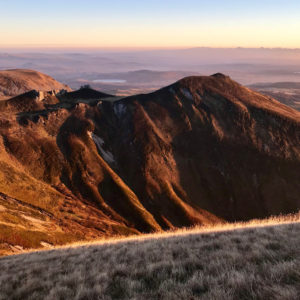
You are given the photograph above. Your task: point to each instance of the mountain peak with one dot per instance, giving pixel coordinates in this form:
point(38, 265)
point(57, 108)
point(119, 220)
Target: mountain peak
point(221, 87)
point(220, 75)
point(86, 93)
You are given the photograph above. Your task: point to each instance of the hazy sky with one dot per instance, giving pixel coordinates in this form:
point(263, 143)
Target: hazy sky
point(152, 23)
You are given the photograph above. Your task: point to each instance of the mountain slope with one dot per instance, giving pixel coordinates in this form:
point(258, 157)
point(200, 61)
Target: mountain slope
point(214, 145)
point(287, 93)
point(18, 81)
point(251, 262)
point(200, 151)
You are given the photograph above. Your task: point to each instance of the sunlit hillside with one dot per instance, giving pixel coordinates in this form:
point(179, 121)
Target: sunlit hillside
point(254, 260)
point(84, 165)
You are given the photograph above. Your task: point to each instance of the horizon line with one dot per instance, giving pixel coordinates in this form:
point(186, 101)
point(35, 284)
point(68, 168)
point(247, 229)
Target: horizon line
point(16, 47)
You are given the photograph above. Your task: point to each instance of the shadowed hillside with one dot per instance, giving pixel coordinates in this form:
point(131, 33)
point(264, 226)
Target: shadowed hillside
point(84, 94)
point(209, 143)
point(203, 150)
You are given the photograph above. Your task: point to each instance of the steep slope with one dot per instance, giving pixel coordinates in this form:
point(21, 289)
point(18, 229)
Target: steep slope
point(287, 98)
point(209, 143)
point(18, 81)
point(200, 151)
point(287, 93)
point(36, 172)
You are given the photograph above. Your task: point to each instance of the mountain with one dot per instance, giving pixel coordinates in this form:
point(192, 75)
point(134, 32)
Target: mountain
point(212, 144)
point(202, 150)
point(85, 94)
point(18, 81)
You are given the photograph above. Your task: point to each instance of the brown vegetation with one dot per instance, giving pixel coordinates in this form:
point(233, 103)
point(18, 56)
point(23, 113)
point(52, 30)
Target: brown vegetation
point(202, 151)
point(246, 263)
point(19, 81)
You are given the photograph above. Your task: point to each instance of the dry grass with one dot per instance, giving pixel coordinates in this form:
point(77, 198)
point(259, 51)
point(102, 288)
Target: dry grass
point(217, 227)
point(257, 260)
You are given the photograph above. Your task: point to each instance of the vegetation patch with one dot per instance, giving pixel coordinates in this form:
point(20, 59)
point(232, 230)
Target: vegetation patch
point(182, 265)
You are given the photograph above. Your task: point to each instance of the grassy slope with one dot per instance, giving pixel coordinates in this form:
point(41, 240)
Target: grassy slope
point(18, 81)
point(37, 213)
point(25, 216)
point(257, 261)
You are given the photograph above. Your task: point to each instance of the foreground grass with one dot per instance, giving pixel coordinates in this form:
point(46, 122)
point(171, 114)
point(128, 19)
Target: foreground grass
point(250, 263)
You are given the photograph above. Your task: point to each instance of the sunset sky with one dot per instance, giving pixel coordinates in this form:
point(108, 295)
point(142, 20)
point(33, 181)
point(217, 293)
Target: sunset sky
point(153, 23)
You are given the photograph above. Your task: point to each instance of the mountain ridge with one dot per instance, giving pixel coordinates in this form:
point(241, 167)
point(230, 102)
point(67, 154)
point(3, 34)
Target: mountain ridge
point(203, 150)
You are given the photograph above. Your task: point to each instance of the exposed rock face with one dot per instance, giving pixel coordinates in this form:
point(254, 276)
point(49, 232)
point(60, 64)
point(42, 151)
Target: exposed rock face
point(19, 81)
point(199, 151)
point(41, 96)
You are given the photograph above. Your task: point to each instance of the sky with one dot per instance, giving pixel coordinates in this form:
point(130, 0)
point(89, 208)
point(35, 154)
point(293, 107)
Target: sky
point(150, 24)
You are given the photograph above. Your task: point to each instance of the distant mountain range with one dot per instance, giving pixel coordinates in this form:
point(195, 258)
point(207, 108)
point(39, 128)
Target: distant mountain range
point(84, 164)
point(246, 65)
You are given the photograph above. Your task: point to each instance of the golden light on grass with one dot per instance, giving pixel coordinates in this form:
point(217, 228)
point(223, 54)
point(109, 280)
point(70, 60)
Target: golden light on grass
point(252, 260)
point(214, 228)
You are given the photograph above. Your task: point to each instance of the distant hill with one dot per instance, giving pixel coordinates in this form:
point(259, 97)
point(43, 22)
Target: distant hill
point(287, 93)
point(200, 151)
point(145, 77)
point(85, 93)
point(278, 85)
point(18, 81)
point(130, 83)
